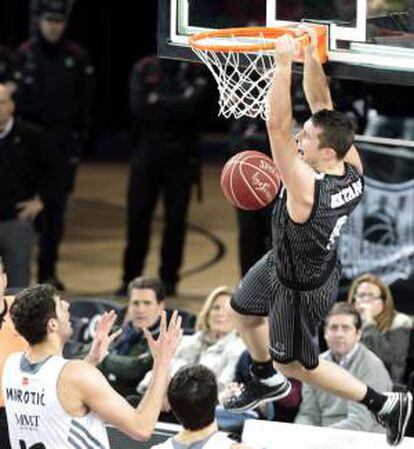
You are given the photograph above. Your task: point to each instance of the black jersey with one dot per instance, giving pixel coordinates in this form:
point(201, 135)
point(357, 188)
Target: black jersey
point(305, 254)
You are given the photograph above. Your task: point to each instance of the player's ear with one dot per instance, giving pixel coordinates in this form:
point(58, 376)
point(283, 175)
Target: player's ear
point(328, 153)
point(52, 325)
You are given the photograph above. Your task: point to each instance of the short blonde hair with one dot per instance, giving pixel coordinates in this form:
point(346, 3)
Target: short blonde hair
point(385, 318)
point(202, 319)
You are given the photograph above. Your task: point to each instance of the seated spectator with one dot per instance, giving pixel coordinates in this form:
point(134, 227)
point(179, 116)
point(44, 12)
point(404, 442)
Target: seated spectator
point(385, 331)
point(130, 359)
point(216, 343)
point(342, 335)
point(192, 394)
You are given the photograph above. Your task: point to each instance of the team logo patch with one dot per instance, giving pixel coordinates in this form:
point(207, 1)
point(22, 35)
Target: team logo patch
point(379, 235)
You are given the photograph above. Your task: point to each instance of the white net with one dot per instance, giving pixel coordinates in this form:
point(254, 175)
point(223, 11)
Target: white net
point(243, 79)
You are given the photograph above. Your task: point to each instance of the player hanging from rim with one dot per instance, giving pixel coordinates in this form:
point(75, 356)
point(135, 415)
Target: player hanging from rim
point(296, 283)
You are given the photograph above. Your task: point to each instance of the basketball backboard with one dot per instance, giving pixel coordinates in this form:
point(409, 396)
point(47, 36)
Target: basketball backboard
point(368, 40)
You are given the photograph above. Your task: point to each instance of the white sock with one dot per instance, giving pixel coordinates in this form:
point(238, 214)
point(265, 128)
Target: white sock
point(272, 381)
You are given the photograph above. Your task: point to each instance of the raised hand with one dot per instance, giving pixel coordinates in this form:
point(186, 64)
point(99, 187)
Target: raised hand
point(285, 50)
point(311, 49)
point(366, 312)
point(102, 338)
point(231, 389)
point(164, 348)
point(29, 209)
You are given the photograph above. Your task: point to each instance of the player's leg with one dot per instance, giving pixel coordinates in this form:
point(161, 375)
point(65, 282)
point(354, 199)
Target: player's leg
point(249, 308)
point(392, 410)
point(327, 376)
point(254, 331)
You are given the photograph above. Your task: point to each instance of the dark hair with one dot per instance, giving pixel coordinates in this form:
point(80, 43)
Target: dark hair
point(337, 131)
point(345, 308)
point(150, 283)
point(32, 309)
point(192, 394)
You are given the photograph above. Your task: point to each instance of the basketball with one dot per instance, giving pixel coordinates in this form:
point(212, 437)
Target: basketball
point(250, 180)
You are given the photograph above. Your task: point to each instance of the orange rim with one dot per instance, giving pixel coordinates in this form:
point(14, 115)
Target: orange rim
point(267, 33)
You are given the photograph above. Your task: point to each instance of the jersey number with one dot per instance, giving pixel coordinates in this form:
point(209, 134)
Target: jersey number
point(336, 231)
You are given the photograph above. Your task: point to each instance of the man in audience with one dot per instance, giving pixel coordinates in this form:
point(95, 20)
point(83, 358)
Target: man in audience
point(166, 101)
point(342, 335)
point(130, 359)
point(192, 395)
point(54, 90)
point(23, 169)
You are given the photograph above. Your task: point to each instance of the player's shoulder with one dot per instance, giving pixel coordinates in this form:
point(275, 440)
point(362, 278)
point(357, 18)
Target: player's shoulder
point(77, 369)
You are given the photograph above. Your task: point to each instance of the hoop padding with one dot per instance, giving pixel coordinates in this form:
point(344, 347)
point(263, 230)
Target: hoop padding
point(242, 63)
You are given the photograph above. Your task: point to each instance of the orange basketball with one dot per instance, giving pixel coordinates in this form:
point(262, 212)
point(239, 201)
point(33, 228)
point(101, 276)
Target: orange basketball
point(250, 180)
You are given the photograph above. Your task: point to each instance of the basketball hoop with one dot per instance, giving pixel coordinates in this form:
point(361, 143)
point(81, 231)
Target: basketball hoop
point(242, 62)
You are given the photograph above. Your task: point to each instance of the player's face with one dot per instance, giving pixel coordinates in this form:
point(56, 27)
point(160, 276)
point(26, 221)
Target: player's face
point(368, 295)
point(52, 30)
point(63, 318)
point(219, 319)
point(308, 143)
point(341, 335)
point(143, 308)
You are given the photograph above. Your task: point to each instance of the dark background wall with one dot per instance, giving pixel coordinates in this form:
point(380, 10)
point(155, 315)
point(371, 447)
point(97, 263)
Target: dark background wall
point(115, 33)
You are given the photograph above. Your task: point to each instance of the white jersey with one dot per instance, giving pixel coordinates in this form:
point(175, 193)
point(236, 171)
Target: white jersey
point(218, 440)
point(35, 416)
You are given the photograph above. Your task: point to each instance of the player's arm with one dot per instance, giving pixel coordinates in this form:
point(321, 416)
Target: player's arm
point(316, 88)
point(296, 175)
point(93, 390)
point(315, 83)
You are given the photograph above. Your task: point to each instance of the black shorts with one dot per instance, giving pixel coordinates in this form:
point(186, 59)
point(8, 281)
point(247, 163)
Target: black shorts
point(294, 316)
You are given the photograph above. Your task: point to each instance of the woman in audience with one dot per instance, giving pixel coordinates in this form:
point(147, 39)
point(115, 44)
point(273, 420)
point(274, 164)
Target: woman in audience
point(215, 344)
point(385, 331)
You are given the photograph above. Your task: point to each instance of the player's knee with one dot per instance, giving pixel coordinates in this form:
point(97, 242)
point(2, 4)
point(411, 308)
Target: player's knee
point(245, 320)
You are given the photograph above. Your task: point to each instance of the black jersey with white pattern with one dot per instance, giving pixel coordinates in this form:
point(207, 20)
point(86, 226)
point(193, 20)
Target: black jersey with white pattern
point(306, 253)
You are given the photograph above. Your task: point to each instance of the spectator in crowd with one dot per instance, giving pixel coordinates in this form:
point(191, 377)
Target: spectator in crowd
point(23, 168)
point(67, 402)
point(216, 344)
point(165, 100)
point(254, 225)
point(130, 358)
point(342, 334)
point(192, 394)
point(10, 342)
point(54, 89)
point(385, 331)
